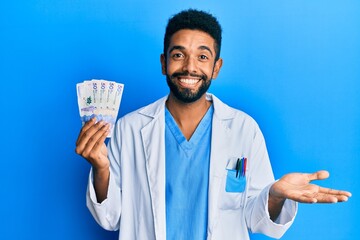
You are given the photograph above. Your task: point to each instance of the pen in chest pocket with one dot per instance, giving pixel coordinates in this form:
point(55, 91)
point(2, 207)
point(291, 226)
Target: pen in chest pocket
point(241, 167)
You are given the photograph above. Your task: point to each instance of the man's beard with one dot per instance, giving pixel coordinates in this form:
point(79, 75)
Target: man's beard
point(186, 95)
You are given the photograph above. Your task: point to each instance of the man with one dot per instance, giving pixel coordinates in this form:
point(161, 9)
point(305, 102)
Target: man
point(188, 166)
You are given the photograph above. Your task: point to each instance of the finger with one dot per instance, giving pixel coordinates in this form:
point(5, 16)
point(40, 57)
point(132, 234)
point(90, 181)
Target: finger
point(341, 196)
point(326, 199)
point(86, 136)
point(99, 143)
point(317, 197)
point(327, 196)
point(335, 192)
point(86, 127)
point(96, 139)
point(319, 175)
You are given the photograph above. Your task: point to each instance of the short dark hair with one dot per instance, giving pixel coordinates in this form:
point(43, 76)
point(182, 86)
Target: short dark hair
point(194, 20)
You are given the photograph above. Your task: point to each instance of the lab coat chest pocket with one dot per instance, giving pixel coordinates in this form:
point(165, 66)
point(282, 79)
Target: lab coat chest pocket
point(232, 190)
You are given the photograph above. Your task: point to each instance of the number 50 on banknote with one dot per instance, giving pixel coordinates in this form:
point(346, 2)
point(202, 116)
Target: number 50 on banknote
point(100, 99)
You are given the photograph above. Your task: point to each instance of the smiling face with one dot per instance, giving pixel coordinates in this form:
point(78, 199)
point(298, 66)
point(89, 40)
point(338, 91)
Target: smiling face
point(189, 64)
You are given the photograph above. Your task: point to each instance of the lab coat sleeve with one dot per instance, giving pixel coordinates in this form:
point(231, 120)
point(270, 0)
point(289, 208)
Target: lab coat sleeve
point(257, 214)
point(107, 213)
point(261, 222)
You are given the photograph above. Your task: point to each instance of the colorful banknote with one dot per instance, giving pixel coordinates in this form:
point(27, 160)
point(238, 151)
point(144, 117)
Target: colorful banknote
point(100, 99)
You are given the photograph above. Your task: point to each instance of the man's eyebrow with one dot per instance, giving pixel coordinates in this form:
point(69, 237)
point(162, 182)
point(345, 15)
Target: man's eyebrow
point(206, 48)
point(176, 47)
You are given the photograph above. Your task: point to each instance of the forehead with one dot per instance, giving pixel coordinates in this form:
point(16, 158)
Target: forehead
point(192, 39)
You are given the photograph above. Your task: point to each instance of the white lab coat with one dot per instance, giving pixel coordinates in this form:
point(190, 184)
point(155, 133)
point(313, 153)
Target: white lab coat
point(136, 196)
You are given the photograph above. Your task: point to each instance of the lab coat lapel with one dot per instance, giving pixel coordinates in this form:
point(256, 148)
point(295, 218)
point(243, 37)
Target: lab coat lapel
point(153, 136)
point(223, 116)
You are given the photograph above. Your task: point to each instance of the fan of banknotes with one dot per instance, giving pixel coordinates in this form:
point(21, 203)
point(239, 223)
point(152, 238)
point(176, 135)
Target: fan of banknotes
point(100, 99)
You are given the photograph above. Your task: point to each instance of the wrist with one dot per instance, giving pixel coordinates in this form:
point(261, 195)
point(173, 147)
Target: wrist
point(275, 196)
point(101, 178)
point(101, 173)
point(275, 203)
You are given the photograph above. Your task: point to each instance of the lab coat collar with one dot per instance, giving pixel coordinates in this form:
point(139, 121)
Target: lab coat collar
point(221, 110)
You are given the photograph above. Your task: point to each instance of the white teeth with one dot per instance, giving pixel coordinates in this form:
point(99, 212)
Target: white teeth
point(189, 81)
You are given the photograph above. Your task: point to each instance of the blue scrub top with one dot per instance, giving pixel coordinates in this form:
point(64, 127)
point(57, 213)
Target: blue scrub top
point(187, 179)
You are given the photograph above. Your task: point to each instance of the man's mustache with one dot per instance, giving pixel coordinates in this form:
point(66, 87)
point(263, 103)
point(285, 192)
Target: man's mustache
point(186, 73)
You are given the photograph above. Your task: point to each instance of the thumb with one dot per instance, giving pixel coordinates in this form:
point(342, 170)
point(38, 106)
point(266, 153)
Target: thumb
point(319, 175)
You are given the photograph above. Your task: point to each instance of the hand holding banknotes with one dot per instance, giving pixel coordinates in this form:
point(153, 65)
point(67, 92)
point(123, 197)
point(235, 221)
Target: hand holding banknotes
point(99, 102)
point(90, 145)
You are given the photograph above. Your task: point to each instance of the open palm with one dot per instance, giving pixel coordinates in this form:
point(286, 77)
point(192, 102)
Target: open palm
point(297, 187)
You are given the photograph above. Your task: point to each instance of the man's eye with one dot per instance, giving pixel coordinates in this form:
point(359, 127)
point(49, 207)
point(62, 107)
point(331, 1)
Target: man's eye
point(203, 57)
point(177, 55)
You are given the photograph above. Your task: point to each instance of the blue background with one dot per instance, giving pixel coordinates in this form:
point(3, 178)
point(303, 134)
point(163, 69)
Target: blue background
point(292, 65)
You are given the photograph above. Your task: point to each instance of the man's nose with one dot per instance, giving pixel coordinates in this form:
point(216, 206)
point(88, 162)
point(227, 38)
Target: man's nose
point(190, 65)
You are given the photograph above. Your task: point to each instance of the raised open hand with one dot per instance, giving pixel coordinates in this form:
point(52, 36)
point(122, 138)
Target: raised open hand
point(297, 187)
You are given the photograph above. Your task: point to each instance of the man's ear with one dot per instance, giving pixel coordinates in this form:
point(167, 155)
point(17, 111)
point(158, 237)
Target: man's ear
point(217, 67)
point(163, 63)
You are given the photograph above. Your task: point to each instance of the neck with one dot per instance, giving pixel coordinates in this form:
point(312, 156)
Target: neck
point(188, 115)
